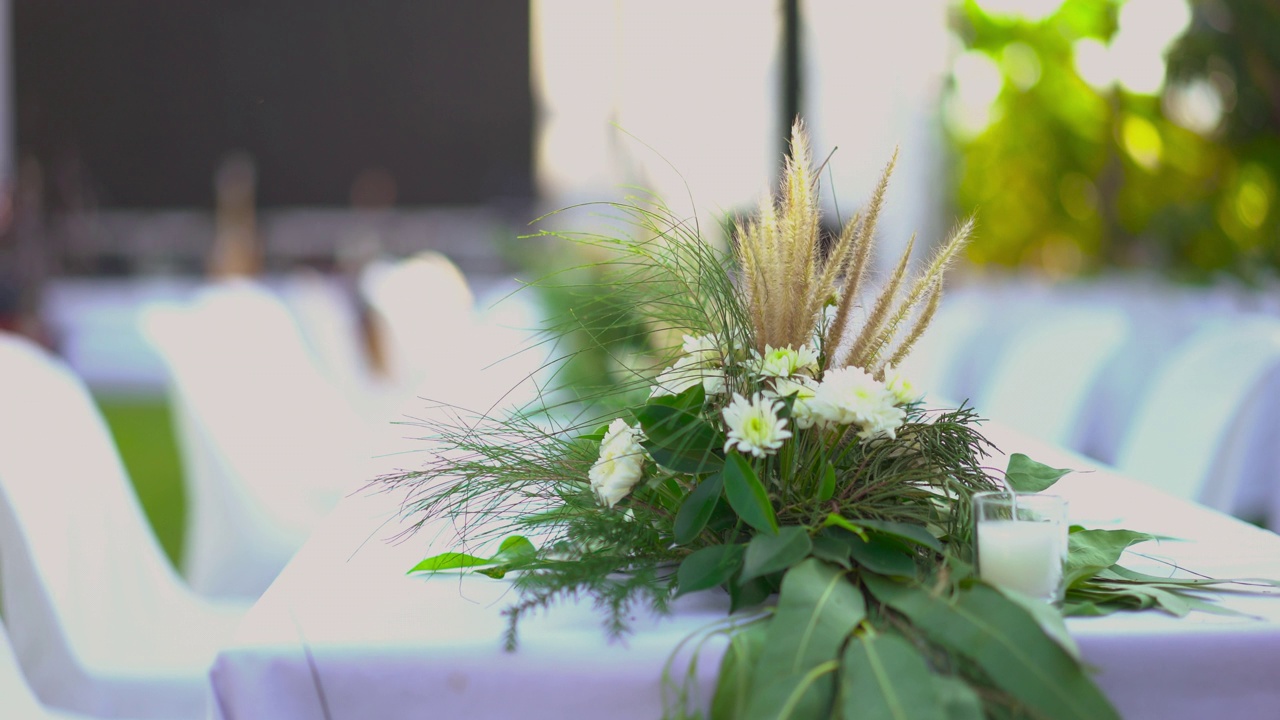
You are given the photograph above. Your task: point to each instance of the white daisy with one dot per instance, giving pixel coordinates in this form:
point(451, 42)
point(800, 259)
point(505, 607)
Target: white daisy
point(851, 396)
point(754, 425)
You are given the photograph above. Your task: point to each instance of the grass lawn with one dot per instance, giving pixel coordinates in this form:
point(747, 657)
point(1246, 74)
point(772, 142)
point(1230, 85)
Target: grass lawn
point(143, 432)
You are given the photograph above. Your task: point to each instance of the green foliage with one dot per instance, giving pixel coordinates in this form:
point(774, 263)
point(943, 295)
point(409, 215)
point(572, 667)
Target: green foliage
point(1075, 179)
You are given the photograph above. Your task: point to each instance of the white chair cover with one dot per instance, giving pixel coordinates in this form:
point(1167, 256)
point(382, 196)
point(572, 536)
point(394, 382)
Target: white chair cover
point(1206, 423)
point(425, 305)
point(99, 620)
point(1041, 383)
point(935, 363)
point(268, 444)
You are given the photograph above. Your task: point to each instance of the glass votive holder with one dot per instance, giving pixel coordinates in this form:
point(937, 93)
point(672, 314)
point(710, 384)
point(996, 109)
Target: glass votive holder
point(1022, 542)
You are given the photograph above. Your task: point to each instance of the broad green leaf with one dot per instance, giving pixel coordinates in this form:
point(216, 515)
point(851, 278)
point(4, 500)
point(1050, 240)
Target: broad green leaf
point(958, 700)
point(1048, 616)
point(513, 550)
point(817, 609)
point(1089, 551)
point(1005, 642)
point(791, 696)
point(1027, 475)
point(749, 593)
point(449, 561)
point(678, 438)
point(696, 509)
point(832, 546)
point(827, 488)
point(907, 531)
point(840, 521)
point(771, 553)
point(737, 669)
point(885, 678)
point(747, 496)
point(1119, 572)
point(691, 400)
point(708, 567)
point(882, 554)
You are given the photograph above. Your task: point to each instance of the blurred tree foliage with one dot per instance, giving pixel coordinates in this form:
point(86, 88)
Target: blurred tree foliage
point(1069, 178)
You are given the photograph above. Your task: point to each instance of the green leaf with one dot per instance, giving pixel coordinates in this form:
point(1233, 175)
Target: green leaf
point(827, 488)
point(747, 496)
point(838, 520)
point(696, 509)
point(790, 696)
point(957, 700)
point(885, 678)
point(708, 567)
point(748, 593)
point(690, 401)
point(1047, 616)
point(771, 553)
point(883, 555)
point(1005, 642)
point(907, 531)
point(1027, 475)
point(1089, 551)
point(677, 437)
point(831, 545)
point(449, 561)
point(1119, 572)
point(737, 669)
point(817, 609)
point(513, 551)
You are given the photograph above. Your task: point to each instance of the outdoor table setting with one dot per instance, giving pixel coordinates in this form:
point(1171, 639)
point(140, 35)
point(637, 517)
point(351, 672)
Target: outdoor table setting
point(345, 633)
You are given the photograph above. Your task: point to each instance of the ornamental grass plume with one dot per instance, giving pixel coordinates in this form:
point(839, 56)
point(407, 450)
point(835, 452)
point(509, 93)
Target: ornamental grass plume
point(787, 281)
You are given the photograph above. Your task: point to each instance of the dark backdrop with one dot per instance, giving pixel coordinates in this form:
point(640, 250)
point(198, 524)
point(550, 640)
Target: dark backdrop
point(138, 100)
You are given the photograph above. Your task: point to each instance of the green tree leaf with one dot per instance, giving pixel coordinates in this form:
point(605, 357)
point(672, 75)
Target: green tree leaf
point(1089, 551)
point(958, 700)
point(827, 488)
point(1005, 642)
point(677, 437)
point(708, 567)
point(791, 696)
point(829, 545)
point(514, 550)
point(1027, 475)
point(817, 609)
point(885, 678)
point(697, 508)
point(737, 669)
point(910, 532)
point(882, 554)
point(771, 553)
point(449, 561)
point(747, 496)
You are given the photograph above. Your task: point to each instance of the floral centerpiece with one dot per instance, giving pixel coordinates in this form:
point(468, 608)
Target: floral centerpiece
point(776, 452)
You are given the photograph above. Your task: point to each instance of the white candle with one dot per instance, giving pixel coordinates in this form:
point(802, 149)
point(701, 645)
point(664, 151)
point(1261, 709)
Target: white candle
point(1025, 556)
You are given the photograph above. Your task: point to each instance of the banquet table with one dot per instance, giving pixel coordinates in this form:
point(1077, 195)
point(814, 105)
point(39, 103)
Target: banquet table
point(344, 634)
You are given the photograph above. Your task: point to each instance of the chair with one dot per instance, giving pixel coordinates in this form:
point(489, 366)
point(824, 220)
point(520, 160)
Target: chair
point(424, 305)
point(936, 361)
point(1209, 424)
point(98, 618)
point(268, 444)
point(1042, 380)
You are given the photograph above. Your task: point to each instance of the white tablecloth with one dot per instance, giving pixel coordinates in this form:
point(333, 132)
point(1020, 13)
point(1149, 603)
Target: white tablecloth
point(345, 634)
